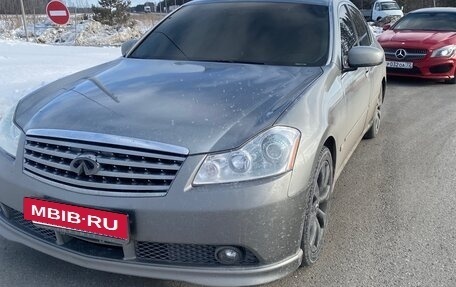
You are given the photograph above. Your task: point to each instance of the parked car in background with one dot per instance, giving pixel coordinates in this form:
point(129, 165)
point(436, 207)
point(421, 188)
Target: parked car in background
point(382, 8)
point(422, 44)
point(208, 153)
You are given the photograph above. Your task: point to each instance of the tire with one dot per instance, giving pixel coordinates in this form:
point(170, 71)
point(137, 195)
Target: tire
point(317, 208)
point(377, 118)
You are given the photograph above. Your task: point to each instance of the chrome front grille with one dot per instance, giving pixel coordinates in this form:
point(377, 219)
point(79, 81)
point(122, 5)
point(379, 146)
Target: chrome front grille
point(411, 54)
point(121, 168)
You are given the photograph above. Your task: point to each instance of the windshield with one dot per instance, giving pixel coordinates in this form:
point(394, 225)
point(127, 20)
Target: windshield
point(248, 32)
point(390, 6)
point(441, 21)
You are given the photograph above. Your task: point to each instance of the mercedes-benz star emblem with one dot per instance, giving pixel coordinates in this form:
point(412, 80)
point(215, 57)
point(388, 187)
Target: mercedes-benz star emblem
point(401, 53)
point(85, 164)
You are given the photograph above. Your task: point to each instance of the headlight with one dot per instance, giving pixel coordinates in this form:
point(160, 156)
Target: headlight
point(270, 153)
point(9, 133)
point(446, 51)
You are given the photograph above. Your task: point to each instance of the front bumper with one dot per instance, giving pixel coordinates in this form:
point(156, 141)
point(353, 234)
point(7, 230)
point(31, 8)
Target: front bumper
point(257, 216)
point(205, 276)
point(428, 68)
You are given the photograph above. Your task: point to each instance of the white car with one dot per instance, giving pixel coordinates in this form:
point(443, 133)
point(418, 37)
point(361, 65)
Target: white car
point(383, 8)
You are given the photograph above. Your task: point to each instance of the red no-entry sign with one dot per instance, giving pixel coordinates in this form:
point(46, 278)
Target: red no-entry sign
point(58, 12)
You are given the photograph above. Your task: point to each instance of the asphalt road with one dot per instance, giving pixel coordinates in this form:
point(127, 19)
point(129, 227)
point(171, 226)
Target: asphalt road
point(393, 217)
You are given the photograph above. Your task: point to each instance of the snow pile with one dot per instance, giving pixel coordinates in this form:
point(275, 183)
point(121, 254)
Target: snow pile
point(7, 28)
point(377, 27)
point(86, 32)
point(3, 26)
point(376, 30)
point(97, 34)
point(25, 67)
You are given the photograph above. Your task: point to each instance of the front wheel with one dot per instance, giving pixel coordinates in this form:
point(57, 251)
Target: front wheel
point(377, 119)
point(317, 208)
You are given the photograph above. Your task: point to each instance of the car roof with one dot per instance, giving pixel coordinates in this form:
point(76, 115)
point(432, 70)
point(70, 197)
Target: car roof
point(435, 10)
point(316, 2)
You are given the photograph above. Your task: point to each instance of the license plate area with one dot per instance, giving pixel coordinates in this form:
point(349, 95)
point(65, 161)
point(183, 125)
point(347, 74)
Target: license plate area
point(399, 65)
point(77, 220)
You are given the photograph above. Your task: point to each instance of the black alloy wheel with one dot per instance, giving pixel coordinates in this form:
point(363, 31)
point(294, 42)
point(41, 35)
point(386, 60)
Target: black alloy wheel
point(317, 212)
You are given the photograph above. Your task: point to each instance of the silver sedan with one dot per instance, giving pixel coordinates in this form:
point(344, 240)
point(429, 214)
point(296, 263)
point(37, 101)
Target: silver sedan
point(207, 153)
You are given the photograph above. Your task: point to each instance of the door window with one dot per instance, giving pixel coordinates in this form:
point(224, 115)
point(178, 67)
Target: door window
point(347, 33)
point(361, 27)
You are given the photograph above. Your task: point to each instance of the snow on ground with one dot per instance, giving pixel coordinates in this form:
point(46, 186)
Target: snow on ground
point(25, 67)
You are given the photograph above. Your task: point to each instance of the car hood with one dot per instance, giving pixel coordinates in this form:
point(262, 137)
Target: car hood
point(425, 39)
point(204, 107)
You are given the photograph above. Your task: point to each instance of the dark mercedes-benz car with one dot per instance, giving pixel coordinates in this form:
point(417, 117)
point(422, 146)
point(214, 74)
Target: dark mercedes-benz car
point(208, 153)
point(422, 45)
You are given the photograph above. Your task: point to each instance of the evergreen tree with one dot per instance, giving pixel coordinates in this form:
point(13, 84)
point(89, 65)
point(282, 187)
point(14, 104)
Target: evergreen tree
point(112, 12)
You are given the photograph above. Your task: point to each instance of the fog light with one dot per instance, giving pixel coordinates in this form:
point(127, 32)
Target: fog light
point(228, 255)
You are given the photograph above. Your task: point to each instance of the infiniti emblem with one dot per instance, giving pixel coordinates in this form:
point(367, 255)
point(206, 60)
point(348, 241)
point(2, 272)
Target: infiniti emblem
point(401, 53)
point(85, 163)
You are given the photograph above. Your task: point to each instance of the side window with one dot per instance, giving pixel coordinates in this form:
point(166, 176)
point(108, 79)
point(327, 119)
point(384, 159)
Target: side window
point(347, 33)
point(361, 27)
point(377, 6)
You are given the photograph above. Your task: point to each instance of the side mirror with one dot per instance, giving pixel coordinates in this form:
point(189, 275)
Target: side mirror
point(386, 27)
point(126, 47)
point(365, 56)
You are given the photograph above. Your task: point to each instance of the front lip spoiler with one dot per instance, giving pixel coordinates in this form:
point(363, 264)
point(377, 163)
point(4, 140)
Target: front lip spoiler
point(239, 276)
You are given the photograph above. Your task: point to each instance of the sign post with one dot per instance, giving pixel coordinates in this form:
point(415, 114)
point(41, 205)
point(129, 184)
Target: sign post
point(23, 20)
point(57, 12)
